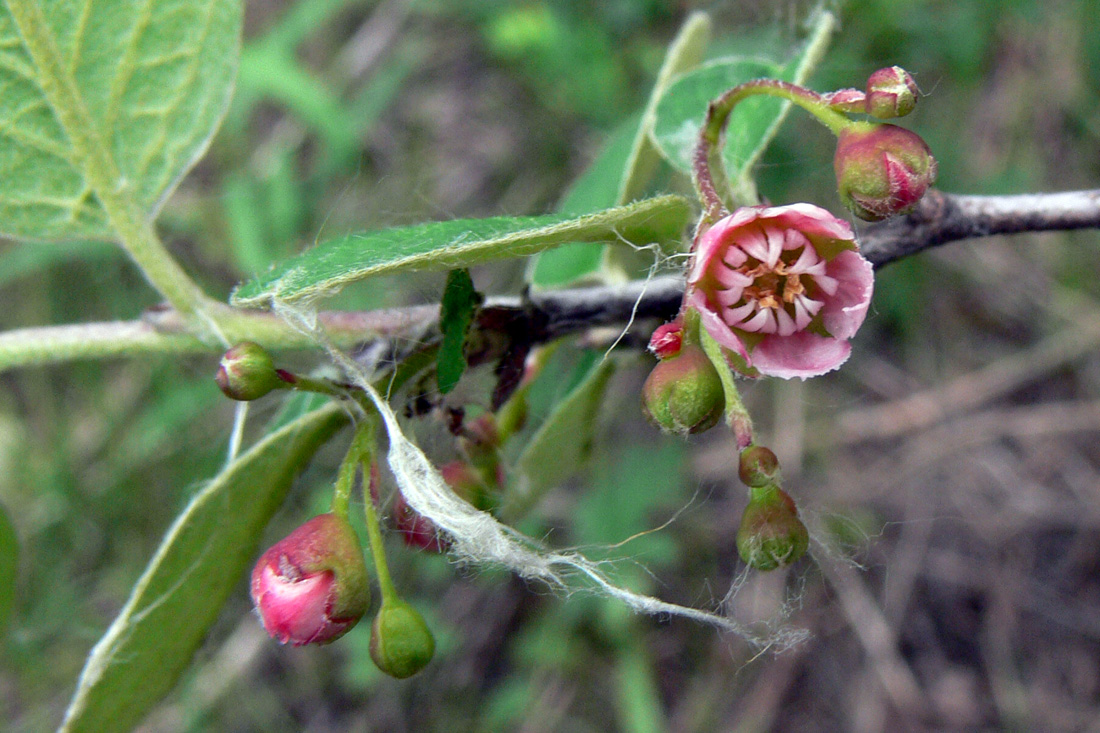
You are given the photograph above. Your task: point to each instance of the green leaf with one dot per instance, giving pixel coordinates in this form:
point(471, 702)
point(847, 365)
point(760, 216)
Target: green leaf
point(561, 444)
point(624, 168)
point(685, 53)
point(454, 244)
point(681, 111)
point(596, 189)
point(9, 562)
point(202, 559)
point(113, 99)
point(753, 123)
point(456, 313)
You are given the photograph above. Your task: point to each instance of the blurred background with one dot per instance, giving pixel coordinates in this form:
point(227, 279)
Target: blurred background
point(954, 460)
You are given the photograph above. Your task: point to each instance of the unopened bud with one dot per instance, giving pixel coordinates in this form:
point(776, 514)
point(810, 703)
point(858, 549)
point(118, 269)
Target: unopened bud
point(247, 372)
point(771, 534)
point(416, 530)
point(683, 394)
point(311, 587)
point(891, 92)
point(882, 170)
point(667, 339)
point(401, 643)
point(759, 467)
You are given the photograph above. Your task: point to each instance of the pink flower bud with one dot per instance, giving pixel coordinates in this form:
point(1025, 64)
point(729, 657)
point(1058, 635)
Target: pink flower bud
point(401, 644)
point(882, 170)
point(666, 340)
point(311, 587)
point(891, 92)
point(771, 534)
point(683, 394)
point(781, 288)
point(247, 372)
point(759, 467)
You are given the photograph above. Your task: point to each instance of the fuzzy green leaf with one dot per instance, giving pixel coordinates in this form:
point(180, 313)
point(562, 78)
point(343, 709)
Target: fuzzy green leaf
point(119, 94)
point(456, 313)
point(455, 244)
point(204, 556)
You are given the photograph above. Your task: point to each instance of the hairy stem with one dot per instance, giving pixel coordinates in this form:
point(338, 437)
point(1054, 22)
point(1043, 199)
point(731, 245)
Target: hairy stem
point(940, 218)
point(707, 163)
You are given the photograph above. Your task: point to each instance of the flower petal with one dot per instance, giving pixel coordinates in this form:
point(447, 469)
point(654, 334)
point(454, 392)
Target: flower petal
point(801, 355)
point(715, 326)
point(754, 243)
point(734, 316)
point(763, 321)
point(728, 278)
point(845, 311)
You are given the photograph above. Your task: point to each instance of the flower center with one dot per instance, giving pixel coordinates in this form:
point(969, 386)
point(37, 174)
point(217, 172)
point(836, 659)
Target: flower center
point(771, 281)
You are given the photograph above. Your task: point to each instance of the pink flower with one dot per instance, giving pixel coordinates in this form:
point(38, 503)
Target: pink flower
point(311, 587)
point(782, 288)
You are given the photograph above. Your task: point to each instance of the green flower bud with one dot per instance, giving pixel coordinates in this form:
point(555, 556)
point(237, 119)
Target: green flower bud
point(401, 643)
point(247, 372)
point(683, 394)
point(759, 467)
point(882, 170)
point(891, 92)
point(771, 534)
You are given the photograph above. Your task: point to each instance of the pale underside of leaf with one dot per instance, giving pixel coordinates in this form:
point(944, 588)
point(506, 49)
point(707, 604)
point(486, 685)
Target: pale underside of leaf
point(96, 93)
point(202, 558)
point(753, 123)
point(455, 244)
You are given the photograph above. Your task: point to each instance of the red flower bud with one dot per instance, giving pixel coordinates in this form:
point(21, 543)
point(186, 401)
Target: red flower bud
point(882, 170)
point(401, 643)
point(891, 92)
point(247, 372)
point(667, 339)
point(683, 394)
point(416, 530)
point(759, 467)
point(771, 534)
point(311, 587)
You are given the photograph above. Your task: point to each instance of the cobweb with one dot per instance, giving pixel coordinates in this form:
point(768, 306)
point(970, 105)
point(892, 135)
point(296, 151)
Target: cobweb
point(479, 539)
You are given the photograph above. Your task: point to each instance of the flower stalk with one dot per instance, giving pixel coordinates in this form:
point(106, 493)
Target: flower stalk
point(706, 163)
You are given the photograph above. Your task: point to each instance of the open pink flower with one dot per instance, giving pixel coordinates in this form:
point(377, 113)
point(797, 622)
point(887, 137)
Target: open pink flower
point(782, 288)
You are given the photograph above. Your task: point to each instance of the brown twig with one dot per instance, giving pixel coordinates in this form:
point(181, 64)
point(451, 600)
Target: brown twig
point(940, 218)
